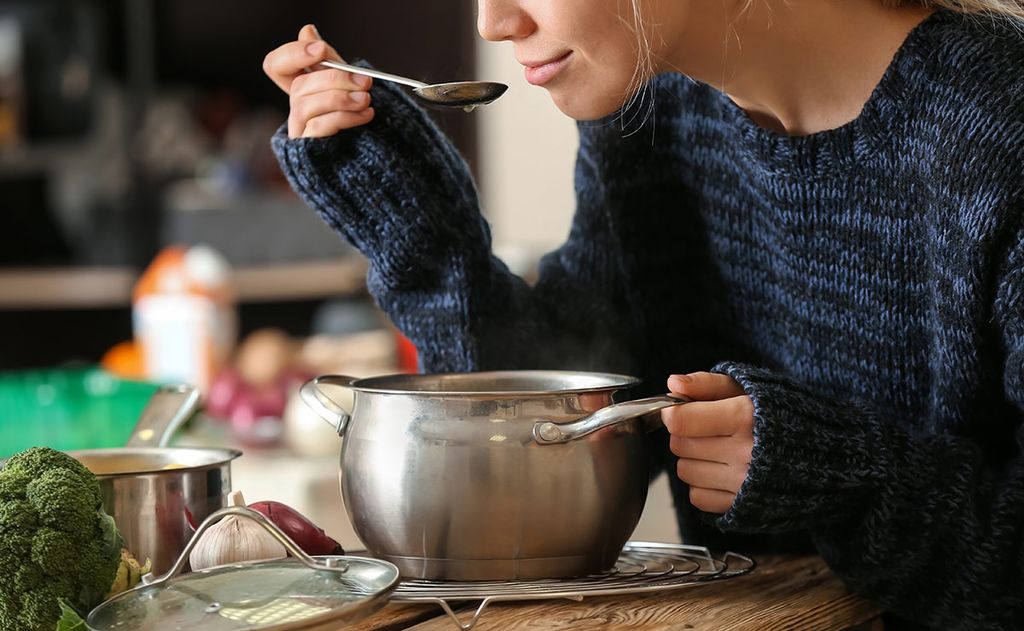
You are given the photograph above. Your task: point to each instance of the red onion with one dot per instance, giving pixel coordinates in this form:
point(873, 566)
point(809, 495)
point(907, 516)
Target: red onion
point(303, 532)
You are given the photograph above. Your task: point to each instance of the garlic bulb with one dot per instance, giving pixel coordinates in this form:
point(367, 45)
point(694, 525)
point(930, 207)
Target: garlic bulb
point(233, 540)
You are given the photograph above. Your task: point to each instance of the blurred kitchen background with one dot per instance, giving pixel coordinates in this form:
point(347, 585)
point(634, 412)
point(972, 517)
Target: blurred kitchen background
point(147, 234)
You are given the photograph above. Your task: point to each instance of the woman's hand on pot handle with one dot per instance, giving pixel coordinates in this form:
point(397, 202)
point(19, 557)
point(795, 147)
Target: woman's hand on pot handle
point(323, 101)
point(713, 437)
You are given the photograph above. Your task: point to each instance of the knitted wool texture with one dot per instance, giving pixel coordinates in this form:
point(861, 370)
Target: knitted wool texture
point(865, 286)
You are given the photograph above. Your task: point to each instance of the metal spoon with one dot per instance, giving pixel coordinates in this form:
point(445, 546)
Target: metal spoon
point(465, 94)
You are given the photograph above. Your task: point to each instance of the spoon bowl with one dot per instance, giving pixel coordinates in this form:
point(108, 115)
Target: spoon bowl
point(464, 94)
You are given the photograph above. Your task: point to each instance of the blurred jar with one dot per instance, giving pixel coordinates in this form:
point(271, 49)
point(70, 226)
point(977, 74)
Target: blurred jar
point(184, 316)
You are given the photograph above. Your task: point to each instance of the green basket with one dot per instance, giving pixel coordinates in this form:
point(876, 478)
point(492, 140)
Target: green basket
point(82, 408)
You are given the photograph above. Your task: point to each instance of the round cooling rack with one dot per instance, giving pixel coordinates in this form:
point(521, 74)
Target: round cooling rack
point(642, 568)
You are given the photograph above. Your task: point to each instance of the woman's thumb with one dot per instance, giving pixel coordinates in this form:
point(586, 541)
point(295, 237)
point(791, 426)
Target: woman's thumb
point(309, 33)
point(704, 386)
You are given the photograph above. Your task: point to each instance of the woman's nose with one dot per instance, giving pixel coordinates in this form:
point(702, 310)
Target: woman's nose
point(502, 20)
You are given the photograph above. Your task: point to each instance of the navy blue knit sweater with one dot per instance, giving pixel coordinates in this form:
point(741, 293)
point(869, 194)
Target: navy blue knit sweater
point(865, 285)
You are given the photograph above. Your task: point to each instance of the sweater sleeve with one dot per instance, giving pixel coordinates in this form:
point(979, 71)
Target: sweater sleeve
point(399, 192)
point(929, 526)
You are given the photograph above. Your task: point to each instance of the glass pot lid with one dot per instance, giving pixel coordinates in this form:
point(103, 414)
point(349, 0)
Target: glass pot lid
point(301, 592)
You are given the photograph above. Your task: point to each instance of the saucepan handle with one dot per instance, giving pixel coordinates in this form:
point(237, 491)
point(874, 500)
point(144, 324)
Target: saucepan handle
point(550, 433)
point(167, 410)
point(326, 407)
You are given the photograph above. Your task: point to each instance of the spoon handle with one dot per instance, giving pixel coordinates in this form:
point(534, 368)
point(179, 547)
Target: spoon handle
point(376, 74)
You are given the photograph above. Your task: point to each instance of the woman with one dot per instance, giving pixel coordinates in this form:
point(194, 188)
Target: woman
point(820, 234)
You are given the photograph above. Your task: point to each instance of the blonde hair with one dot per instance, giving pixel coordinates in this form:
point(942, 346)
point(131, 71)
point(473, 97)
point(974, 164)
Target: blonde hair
point(640, 102)
point(999, 8)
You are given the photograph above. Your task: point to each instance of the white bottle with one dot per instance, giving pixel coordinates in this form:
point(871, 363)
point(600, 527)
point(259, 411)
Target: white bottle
point(184, 316)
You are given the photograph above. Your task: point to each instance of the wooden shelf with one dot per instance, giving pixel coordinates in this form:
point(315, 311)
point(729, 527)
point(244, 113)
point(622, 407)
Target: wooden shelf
point(111, 287)
point(301, 281)
point(65, 288)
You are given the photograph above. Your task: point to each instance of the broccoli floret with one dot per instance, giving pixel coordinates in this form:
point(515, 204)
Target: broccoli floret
point(17, 516)
point(55, 540)
point(28, 578)
point(51, 547)
point(62, 500)
point(11, 489)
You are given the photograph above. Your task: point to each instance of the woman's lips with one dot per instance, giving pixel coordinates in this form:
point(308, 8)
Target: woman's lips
point(543, 72)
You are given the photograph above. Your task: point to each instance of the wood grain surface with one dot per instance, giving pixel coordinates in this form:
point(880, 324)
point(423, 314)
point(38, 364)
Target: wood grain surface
point(782, 593)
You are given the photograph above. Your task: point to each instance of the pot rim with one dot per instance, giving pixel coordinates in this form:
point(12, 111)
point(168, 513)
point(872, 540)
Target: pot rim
point(589, 382)
point(225, 457)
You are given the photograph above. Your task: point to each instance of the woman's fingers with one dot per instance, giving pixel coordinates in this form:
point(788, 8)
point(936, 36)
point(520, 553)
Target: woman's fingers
point(722, 449)
point(322, 92)
point(323, 101)
point(328, 79)
point(710, 475)
point(705, 386)
point(285, 63)
point(711, 500)
point(712, 436)
point(710, 418)
point(290, 61)
point(333, 122)
point(306, 109)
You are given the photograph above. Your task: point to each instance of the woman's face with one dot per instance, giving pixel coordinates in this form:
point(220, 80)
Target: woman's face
point(584, 52)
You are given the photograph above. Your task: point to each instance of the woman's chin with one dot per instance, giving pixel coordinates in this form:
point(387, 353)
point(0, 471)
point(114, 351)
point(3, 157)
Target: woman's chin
point(578, 105)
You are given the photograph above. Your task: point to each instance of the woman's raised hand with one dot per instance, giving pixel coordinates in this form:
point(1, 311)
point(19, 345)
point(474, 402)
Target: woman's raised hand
point(323, 101)
point(713, 437)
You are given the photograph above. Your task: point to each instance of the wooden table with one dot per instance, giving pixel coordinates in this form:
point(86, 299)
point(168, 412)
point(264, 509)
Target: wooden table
point(783, 592)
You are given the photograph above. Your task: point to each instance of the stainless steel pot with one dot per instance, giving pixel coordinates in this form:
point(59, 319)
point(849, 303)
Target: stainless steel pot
point(491, 476)
point(157, 494)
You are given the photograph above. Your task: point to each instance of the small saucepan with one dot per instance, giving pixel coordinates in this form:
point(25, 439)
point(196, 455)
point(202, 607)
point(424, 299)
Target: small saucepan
point(491, 475)
point(157, 494)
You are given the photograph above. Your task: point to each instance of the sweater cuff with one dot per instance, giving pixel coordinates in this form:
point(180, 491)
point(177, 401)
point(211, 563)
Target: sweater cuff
point(815, 460)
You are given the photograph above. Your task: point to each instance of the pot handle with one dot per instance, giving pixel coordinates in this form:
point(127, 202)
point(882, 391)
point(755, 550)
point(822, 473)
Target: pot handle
point(325, 407)
point(166, 411)
point(549, 433)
